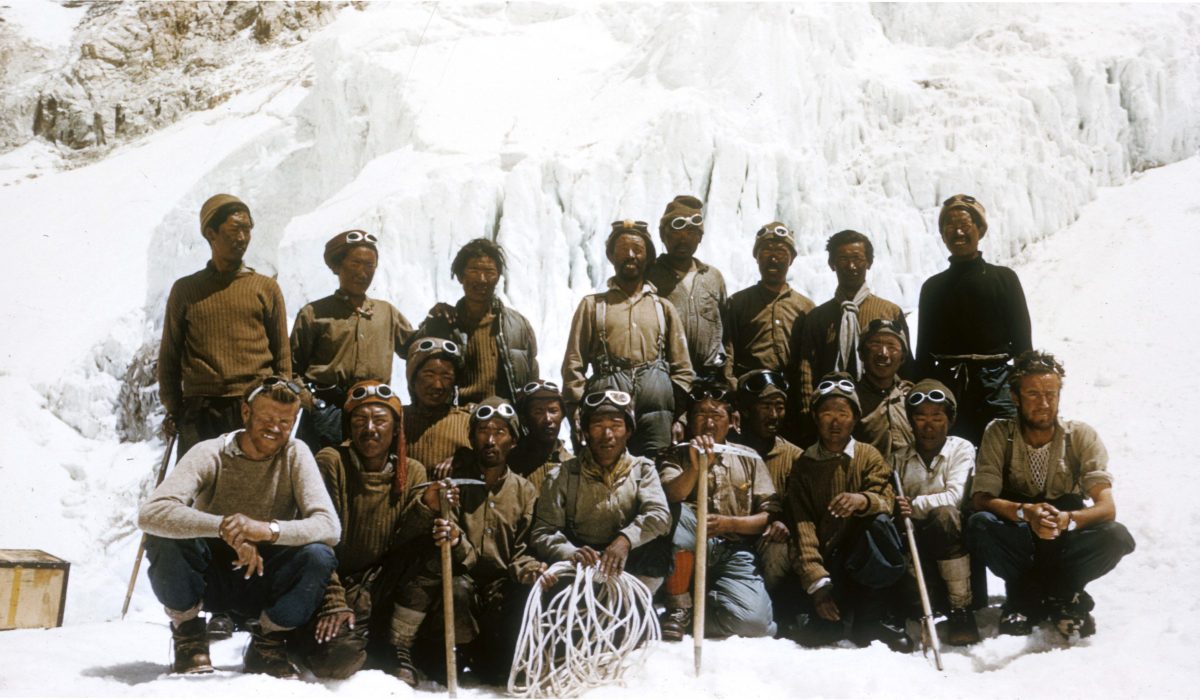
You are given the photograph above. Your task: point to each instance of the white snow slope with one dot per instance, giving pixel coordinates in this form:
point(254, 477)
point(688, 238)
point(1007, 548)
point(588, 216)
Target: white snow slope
point(539, 124)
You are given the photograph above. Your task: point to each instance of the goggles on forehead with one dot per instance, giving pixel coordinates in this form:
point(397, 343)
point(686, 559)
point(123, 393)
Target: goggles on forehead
point(681, 222)
point(708, 392)
point(539, 384)
point(777, 232)
point(485, 412)
point(272, 382)
point(829, 385)
point(919, 397)
point(360, 236)
point(448, 346)
point(961, 198)
point(383, 391)
point(758, 383)
point(628, 225)
point(617, 398)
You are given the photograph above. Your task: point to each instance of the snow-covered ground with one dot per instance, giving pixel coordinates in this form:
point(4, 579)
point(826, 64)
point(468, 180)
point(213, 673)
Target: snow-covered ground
point(538, 124)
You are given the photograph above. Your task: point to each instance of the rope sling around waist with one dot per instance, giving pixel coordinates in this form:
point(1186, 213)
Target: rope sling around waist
point(588, 634)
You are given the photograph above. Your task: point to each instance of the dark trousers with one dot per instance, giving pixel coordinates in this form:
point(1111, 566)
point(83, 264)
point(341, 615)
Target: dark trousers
point(186, 572)
point(321, 427)
point(982, 393)
point(204, 418)
point(1033, 568)
point(653, 403)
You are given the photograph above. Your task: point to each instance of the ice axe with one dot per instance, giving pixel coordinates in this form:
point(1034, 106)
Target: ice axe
point(928, 630)
point(141, 552)
point(700, 462)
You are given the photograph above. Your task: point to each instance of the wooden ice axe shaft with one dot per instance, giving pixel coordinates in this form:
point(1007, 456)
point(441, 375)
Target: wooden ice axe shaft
point(448, 605)
point(926, 608)
point(137, 562)
point(700, 558)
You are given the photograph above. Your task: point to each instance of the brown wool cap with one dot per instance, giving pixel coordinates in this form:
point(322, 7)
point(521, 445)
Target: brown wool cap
point(391, 402)
point(339, 246)
point(637, 228)
point(969, 204)
point(927, 385)
point(770, 232)
point(881, 325)
point(683, 205)
point(495, 403)
point(423, 350)
point(836, 391)
point(215, 202)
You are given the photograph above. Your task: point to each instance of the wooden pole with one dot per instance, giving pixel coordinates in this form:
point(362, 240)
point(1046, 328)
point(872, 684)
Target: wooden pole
point(448, 605)
point(701, 555)
point(928, 630)
point(137, 562)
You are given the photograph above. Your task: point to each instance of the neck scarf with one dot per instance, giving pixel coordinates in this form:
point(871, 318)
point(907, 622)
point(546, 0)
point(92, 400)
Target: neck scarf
point(609, 477)
point(848, 335)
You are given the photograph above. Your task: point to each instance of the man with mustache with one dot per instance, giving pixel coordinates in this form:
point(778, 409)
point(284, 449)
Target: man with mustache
point(225, 329)
point(540, 407)
point(344, 338)
point(434, 425)
point(764, 320)
point(697, 290)
point(498, 345)
point(882, 347)
point(243, 523)
point(633, 340)
point(974, 320)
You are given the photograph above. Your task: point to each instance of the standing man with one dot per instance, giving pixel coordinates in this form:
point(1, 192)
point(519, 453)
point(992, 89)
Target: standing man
point(243, 523)
point(829, 339)
point(697, 290)
point(540, 407)
point(344, 338)
point(633, 339)
point(882, 347)
point(742, 502)
point(434, 425)
point(974, 320)
point(498, 344)
point(225, 329)
point(764, 321)
point(1033, 528)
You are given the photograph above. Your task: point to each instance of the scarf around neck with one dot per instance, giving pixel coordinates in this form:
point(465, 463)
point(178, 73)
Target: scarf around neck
point(848, 334)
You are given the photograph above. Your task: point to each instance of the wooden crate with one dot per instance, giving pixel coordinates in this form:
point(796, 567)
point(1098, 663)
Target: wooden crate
point(33, 589)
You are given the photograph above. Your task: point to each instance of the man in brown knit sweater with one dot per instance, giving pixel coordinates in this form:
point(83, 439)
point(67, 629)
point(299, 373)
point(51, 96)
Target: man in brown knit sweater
point(882, 347)
point(540, 407)
point(488, 529)
point(225, 328)
point(370, 479)
point(434, 426)
point(257, 540)
point(840, 497)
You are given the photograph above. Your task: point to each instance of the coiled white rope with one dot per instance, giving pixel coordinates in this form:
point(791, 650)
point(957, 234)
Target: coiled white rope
point(585, 636)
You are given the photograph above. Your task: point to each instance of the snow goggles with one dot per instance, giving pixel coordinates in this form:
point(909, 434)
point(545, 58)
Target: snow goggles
point(539, 384)
point(777, 232)
point(270, 382)
point(919, 397)
point(829, 385)
point(447, 346)
point(960, 198)
point(357, 236)
point(681, 222)
point(758, 382)
point(383, 391)
point(485, 412)
point(617, 398)
point(708, 392)
point(630, 225)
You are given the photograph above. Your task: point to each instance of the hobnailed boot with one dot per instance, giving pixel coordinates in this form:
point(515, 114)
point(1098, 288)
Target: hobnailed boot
point(404, 668)
point(1073, 615)
point(405, 623)
point(676, 620)
point(191, 647)
point(675, 623)
point(961, 628)
point(267, 654)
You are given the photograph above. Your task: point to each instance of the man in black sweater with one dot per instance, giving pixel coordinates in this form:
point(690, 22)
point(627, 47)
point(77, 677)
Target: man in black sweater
point(973, 321)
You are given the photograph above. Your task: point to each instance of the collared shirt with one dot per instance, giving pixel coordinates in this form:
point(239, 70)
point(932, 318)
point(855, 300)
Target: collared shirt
point(336, 343)
point(1078, 462)
point(884, 423)
point(737, 485)
point(940, 483)
point(699, 297)
point(762, 328)
point(632, 330)
point(635, 506)
point(222, 332)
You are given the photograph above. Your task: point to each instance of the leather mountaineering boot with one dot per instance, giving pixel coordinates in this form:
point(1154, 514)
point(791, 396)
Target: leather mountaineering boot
point(675, 623)
point(1014, 622)
point(267, 654)
point(1073, 615)
point(220, 626)
point(404, 669)
point(191, 647)
point(961, 628)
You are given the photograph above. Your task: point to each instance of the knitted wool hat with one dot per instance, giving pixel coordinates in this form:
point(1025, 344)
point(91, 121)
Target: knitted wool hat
point(924, 388)
point(775, 231)
point(339, 246)
point(375, 392)
point(881, 325)
point(637, 228)
point(538, 389)
point(684, 205)
point(215, 202)
point(600, 402)
point(969, 204)
point(423, 350)
point(760, 384)
point(492, 407)
point(835, 385)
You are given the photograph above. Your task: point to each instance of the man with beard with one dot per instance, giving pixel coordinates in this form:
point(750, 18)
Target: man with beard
point(498, 344)
point(697, 290)
point(434, 427)
point(882, 348)
point(974, 320)
point(1033, 528)
point(540, 407)
point(764, 321)
point(742, 502)
point(489, 535)
point(225, 329)
point(633, 340)
point(344, 338)
point(829, 339)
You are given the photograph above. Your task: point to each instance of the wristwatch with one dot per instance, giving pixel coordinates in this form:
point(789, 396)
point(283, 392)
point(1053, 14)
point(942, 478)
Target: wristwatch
point(1021, 513)
point(1071, 524)
point(274, 525)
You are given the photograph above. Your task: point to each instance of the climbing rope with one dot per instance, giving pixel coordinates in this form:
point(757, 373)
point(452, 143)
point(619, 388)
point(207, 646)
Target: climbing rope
point(585, 636)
